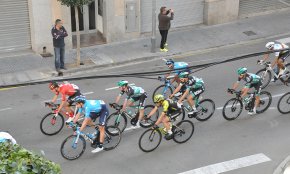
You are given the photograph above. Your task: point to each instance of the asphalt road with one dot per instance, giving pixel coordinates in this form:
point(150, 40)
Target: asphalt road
point(214, 141)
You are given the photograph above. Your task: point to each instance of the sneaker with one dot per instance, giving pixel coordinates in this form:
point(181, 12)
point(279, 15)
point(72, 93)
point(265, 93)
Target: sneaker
point(168, 136)
point(274, 79)
point(164, 50)
point(98, 149)
point(192, 112)
point(69, 119)
point(252, 112)
point(166, 44)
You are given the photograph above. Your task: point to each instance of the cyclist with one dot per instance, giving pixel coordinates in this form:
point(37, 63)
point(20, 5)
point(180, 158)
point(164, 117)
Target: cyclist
point(170, 107)
point(134, 94)
point(66, 89)
point(280, 56)
point(5, 136)
point(93, 109)
point(194, 86)
point(252, 81)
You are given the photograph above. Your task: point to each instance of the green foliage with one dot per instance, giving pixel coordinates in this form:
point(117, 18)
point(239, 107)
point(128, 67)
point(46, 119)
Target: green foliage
point(17, 160)
point(72, 3)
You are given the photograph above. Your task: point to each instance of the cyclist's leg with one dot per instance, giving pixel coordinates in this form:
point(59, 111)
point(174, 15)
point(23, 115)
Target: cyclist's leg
point(102, 121)
point(166, 123)
point(257, 94)
point(70, 101)
point(142, 101)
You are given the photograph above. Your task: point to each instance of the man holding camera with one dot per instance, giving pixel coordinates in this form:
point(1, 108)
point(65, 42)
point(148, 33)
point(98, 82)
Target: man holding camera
point(164, 25)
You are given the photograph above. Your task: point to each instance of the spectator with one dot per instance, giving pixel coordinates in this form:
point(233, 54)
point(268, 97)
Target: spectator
point(4, 136)
point(164, 25)
point(59, 33)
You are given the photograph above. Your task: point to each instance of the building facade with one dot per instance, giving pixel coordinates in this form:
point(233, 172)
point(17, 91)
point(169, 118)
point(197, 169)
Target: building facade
point(26, 24)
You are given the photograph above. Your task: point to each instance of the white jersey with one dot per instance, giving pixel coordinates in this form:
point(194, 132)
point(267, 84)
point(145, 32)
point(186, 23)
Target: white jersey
point(280, 46)
point(6, 136)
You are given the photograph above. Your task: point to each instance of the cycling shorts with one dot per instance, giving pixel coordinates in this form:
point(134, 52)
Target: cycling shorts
point(71, 99)
point(196, 92)
point(142, 100)
point(103, 114)
point(283, 56)
point(257, 87)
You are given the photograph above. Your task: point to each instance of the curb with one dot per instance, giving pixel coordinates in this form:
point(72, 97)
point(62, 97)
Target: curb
point(282, 166)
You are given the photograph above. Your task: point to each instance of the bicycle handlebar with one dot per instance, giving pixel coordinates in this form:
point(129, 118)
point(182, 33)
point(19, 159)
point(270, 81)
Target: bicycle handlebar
point(116, 106)
point(51, 105)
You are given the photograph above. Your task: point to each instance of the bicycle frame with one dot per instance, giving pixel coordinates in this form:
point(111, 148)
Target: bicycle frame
point(269, 68)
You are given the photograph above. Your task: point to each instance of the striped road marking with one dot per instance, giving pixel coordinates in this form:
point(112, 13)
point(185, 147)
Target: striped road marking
point(230, 165)
point(116, 87)
point(274, 96)
point(5, 109)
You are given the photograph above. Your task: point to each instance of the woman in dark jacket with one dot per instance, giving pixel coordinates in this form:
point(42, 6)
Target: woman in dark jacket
point(164, 25)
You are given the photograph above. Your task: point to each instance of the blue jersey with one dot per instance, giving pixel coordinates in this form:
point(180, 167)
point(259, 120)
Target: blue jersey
point(91, 106)
point(180, 67)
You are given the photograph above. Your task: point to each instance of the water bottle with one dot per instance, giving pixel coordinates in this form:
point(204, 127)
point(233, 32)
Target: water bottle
point(91, 136)
point(188, 108)
point(129, 112)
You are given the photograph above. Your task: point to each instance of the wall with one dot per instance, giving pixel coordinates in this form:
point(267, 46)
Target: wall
point(42, 14)
point(220, 11)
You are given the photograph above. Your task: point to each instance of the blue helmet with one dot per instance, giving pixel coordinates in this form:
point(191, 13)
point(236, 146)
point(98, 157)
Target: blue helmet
point(169, 62)
point(80, 99)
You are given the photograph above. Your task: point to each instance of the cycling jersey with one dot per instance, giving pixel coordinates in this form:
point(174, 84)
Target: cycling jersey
point(91, 106)
point(67, 90)
point(251, 79)
point(193, 83)
point(169, 106)
point(280, 46)
point(133, 91)
point(180, 67)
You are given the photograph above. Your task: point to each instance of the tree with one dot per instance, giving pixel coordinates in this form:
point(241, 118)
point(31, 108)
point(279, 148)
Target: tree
point(76, 4)
point(16, 159)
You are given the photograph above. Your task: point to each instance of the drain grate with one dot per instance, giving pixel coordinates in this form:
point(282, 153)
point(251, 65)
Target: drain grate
point(249, 33)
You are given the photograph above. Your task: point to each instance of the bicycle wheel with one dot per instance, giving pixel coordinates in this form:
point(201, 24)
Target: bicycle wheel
point(117, 119)
point(232, 106)
point(266, 77)
point(150, 140)
point(112, 137)
point(152, 119)
point(284, 104)
point(51, 125)
point(205, 110)
point(164, 90)
point(71, 148)
point(183, 131)
point(286, 75)
point(265, 102)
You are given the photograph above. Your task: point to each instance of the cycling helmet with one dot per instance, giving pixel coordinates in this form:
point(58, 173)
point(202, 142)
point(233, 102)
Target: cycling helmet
point(242, 70)
point(122, 83)
point(158, 98)
point(183, 75)
point(53, 85)
point(169, 62)
point(80, 99)
point(270, 45)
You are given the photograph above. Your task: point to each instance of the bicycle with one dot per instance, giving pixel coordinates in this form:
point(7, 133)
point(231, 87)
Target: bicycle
point(235, 105)
point(166, 89)
point(284, 109)
point(51, 124)
point(78, 141)
point(152, 137)
point(267, 73)
point(120, 118)
point(205, 109)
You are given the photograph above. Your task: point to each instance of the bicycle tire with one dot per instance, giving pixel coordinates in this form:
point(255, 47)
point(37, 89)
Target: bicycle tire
point(178, 131)
point(287, 97)
point(112, 121)
point(65, 155)
point(204, 110)
point(240, 107)
point(151, 120)
point(43, 120)
point(158, 88)
point(267, 76)
point(262, 100)
point(110, 135)
point(152, 134)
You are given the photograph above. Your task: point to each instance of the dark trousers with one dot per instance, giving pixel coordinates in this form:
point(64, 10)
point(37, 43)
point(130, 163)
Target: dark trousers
point(59, 57)
point(163, 38)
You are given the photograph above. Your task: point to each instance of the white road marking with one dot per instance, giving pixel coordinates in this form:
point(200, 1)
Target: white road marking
point(230, 165)
point(131, 128)
point(284, 40)
point(274, 96)
point(86, 93)
point(5, 109)
point(116, 87)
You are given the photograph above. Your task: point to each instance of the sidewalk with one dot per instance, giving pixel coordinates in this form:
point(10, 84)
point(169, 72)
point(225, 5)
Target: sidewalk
point(32, 67)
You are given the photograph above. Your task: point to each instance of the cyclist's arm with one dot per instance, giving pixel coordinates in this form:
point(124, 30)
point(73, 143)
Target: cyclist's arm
point(183, 96)
point(159, 120)
point(266, 57)
point(77, 117)
point(85, 123)
point(125, 104)
point(176, 90)
point(118, 98)
point(174, 79)
point(236, 85)
point(153, 111)
point(245, 91)
point(54, 99)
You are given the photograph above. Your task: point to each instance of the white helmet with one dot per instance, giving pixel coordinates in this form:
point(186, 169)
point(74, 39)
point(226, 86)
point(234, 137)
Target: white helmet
point(270, 45)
